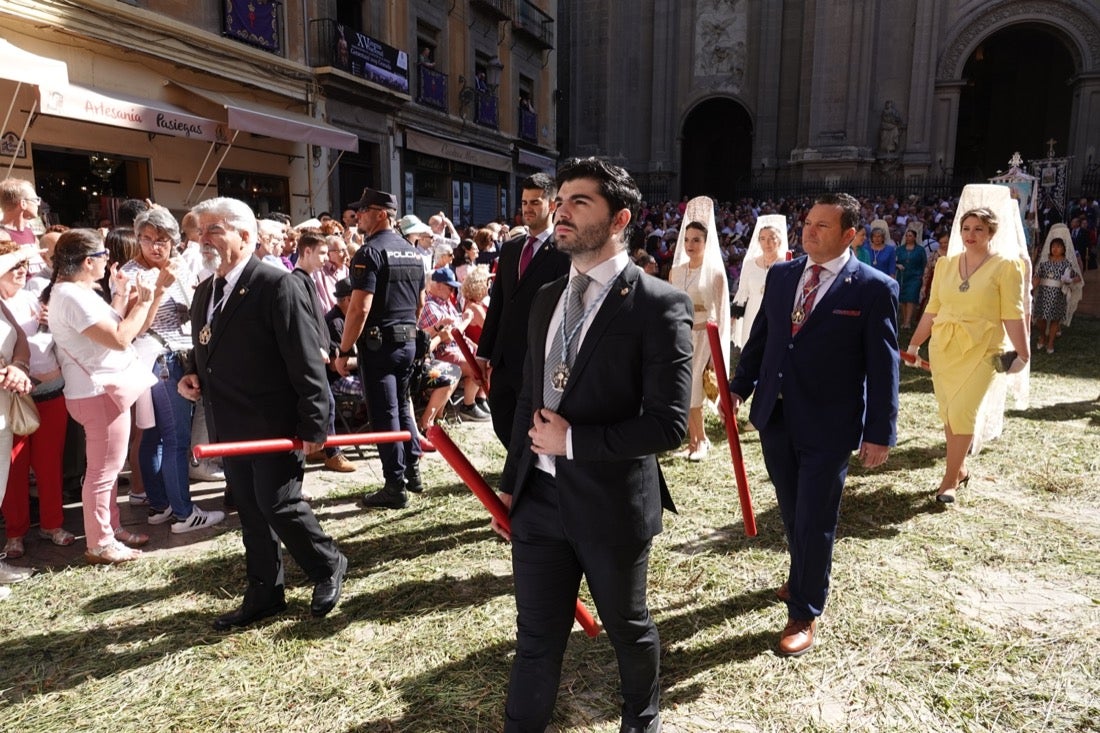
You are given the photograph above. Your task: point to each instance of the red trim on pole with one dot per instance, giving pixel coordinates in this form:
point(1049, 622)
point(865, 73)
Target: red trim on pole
point(492, 502)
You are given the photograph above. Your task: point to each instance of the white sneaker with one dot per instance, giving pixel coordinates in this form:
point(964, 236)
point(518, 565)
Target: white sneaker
point(160, 516)
point(198, 520)
point(139, 500)
point(12, 574)
point(206, 471)
point(700, 453)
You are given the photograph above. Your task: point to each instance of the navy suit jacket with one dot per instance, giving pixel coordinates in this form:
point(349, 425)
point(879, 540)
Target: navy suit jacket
point(261, 374)
point(838, 377)
point(626, 400)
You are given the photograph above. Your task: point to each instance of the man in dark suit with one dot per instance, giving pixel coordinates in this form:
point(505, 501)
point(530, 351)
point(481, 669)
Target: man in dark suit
point(525, 265)
point(606, 386)
point(252, 313)
point(822, 358)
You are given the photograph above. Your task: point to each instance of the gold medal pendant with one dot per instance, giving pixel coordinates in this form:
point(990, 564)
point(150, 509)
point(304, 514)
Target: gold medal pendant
point(560, 377)
point(205, 334)
point(798, 315)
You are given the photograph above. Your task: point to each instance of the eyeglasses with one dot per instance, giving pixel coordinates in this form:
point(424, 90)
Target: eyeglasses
point(100, 253)
point(150, 242)
point(32, 199)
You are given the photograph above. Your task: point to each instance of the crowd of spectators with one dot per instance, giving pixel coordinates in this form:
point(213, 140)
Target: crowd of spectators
point(147, 254)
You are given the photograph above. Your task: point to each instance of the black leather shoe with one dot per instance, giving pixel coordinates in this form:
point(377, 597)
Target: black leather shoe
point(326, 594)
point(388, 497)
point(251, 611)
point(653, 727)
point(412, 478)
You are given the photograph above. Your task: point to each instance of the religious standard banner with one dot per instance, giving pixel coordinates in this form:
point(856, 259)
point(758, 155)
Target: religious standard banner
point(255, 22)
point(370, 59)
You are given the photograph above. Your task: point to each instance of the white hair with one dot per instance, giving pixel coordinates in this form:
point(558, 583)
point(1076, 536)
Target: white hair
point(237, 214)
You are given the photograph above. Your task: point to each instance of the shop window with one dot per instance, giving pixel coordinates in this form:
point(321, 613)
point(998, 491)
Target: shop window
point(265, 194)
point(83, 188)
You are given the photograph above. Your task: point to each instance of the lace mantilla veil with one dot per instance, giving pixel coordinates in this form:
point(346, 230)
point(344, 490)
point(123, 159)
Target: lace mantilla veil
point(1072, 291)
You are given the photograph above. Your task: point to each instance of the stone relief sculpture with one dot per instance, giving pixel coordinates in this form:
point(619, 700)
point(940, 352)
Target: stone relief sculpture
point(720, 34)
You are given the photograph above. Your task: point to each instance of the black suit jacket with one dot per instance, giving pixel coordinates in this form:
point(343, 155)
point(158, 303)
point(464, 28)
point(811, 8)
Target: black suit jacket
point(260, 373)
point(504, 336)
point(626, 400)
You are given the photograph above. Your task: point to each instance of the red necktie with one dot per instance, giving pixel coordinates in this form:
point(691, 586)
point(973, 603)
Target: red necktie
point(809, 295)
point(527, 254)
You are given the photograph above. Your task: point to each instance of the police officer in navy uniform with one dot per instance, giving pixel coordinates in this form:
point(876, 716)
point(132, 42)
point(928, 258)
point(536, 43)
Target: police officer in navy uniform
point(387, 277)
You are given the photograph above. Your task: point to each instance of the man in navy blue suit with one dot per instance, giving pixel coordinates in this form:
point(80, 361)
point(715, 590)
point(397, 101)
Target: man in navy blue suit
point(822, 358)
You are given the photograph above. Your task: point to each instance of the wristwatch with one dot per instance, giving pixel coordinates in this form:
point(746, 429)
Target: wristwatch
point(347, 354)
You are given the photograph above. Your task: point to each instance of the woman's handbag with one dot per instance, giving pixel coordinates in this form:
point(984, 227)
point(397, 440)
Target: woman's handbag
point(710, 383)
point(737, 310)
point(23, 417)
point(124, 387)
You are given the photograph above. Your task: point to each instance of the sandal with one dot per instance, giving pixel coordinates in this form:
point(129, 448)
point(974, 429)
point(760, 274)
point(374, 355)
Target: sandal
point(131, 539)
point(113, 553)
point(14, 548)
point(60, 536)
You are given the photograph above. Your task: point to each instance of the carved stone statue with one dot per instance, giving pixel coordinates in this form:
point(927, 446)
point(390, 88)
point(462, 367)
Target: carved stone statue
point(889, 130)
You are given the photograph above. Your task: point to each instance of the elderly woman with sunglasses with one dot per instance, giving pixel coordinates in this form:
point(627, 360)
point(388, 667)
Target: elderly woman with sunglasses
point(41, 450)
point(95, 339)
point(165, 453)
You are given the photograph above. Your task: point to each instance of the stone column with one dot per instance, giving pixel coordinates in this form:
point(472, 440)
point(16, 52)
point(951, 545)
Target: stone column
point(945, 124)
point(1084, 127)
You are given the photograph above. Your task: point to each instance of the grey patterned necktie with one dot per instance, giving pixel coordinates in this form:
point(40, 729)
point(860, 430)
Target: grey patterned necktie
point(553, 383)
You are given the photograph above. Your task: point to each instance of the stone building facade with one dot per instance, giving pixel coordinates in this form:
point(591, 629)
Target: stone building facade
point(724, 96)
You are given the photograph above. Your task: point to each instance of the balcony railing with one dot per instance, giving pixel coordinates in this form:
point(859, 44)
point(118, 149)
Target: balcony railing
point(258, 24)
point(336, 45)
point(432, 88)
point(530, 21)
point(499, 9)
point(486, 110)
point(528, 126)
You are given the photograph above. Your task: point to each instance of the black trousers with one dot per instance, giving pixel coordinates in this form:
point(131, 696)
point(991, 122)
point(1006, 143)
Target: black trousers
point(268, 492)
point(385, 374)
point(808, 483)
point(502, 403)
point(547, 566)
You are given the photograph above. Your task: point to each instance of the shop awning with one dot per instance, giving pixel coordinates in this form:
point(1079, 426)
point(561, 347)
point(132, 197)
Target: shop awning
point(29, 68)
point(24, 67)
point(121, 110)
point(261, 119)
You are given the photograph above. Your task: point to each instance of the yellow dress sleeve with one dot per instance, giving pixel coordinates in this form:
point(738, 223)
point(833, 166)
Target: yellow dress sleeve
point(933, 305)
point(1010, 283)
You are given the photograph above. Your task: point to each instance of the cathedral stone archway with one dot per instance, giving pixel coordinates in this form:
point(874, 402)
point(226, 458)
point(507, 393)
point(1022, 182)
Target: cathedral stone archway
point(1017, 95)
point(716, 150)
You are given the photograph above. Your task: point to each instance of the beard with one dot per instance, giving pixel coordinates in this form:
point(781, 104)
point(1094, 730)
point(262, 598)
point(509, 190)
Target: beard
point(590, 238)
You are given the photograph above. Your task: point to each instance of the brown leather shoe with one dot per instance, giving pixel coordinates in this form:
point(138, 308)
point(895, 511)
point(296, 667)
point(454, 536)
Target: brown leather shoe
point(317, 456)
point(339, 463)
point(798, 637)
point(783, 593)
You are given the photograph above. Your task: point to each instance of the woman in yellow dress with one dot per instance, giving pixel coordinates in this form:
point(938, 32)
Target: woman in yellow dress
point(977, 298)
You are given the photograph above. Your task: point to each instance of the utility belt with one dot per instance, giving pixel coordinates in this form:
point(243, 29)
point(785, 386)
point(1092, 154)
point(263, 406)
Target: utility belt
point(374, 336)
